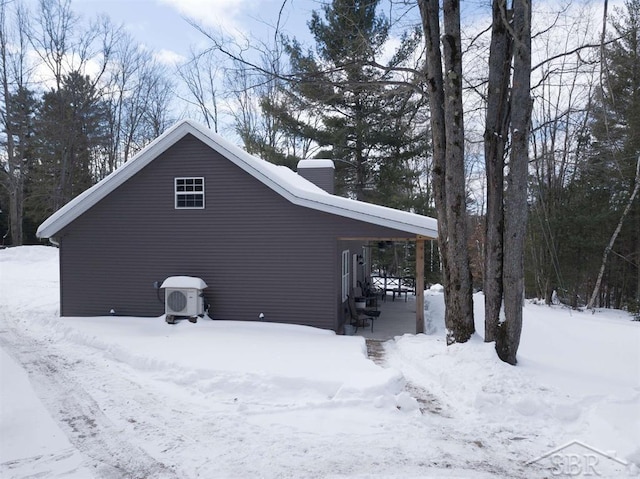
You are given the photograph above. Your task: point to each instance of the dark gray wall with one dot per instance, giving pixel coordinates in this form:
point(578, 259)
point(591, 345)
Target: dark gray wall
point(255, 250)
point(322, 177)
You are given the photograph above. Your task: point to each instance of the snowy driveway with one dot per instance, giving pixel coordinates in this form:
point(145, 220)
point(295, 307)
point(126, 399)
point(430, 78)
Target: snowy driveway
point(136, 398)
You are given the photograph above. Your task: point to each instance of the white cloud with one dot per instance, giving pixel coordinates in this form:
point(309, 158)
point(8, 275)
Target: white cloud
point(389, 49)
point(168, 57)
point(43, 76)
point(211, 13)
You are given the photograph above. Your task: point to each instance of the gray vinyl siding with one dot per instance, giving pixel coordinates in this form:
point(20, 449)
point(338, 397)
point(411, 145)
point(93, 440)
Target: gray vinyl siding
point(255, 250)
point(322, 177)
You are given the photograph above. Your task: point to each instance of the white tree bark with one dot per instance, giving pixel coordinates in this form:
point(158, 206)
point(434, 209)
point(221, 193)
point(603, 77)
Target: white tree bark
point(614, 236)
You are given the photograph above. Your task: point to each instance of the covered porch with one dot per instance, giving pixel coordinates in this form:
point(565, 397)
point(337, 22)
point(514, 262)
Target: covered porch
point(400, 312)
point(397, 317)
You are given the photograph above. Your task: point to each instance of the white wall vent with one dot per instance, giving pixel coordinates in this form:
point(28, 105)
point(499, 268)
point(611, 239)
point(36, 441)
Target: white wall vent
point(183, 298)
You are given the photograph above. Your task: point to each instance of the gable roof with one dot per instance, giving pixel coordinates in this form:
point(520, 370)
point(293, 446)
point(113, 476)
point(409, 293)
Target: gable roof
point(280, 179)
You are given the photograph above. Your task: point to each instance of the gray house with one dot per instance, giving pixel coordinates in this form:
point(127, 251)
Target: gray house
point(263, 238)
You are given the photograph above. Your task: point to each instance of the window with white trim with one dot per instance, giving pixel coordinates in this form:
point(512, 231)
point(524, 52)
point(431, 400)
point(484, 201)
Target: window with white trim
point(189, 193)
point(345, 275)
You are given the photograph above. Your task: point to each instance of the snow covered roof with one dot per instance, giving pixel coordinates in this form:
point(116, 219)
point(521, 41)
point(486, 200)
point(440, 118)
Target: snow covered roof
point(280, 179)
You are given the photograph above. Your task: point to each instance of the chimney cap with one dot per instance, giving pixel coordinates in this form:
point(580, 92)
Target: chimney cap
point(315, 163)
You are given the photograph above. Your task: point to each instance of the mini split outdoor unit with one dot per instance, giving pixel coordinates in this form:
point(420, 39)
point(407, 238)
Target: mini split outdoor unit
point(183, 298)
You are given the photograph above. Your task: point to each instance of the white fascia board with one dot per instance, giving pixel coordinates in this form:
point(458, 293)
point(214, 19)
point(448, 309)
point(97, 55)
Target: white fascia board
point(280, 179)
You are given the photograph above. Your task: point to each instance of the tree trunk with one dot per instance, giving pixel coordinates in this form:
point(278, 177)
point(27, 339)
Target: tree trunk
point(638, 259)
point(11, 178)
point(429, 11)
point(447, 128)
point(495, 138)
point(508, 337)
point(459, 314)
point(609, 247)
point(16, 207)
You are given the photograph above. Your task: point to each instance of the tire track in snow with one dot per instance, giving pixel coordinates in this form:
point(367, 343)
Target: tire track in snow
point(77, 412)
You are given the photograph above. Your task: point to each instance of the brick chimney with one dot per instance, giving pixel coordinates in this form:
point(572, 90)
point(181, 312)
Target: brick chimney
point(318, 172)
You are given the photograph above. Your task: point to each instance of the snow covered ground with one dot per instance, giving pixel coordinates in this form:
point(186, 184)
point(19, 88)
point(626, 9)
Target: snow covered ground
point(137, 398)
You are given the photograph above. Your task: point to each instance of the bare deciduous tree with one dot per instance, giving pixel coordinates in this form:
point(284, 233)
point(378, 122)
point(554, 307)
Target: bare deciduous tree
point(495, 140)
point(447, 127)
point(614, 236)
point(139, 96)
point(202, 75)
point(515, 201)
point(14, 76)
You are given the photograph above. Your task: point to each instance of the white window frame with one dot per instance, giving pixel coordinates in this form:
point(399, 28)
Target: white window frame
point(193, 191)
point(354, 268)
point(346, 262)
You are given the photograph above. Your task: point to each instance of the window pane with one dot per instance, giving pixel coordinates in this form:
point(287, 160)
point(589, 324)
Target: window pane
point(190, 201)
point(189, 192)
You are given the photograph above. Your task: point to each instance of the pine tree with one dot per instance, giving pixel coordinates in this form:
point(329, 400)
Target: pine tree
point(72, 131)
point(612, 162)
point(20, 118)
point(346, 105)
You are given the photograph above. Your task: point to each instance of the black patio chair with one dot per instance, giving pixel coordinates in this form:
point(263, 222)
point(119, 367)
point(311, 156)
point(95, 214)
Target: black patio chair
point(368, 293)
point(360, 316)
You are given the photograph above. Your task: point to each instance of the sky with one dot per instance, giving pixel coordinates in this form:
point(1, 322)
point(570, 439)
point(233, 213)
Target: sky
point(163, 25)
point(164, 28)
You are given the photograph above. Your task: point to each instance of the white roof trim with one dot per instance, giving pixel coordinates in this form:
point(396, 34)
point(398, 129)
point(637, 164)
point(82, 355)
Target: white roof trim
point(281, 179)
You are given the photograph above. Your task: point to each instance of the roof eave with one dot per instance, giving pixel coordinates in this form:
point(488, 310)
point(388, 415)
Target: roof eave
point(324, 202)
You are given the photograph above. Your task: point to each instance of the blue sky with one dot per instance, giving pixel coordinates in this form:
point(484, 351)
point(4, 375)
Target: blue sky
point(162, 26)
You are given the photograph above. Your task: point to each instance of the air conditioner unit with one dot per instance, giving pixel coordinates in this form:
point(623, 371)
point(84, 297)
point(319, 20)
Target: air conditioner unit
point(183, 298)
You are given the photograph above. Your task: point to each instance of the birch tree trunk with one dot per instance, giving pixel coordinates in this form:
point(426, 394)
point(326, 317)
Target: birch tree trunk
point(515, 204)
point(614, 236)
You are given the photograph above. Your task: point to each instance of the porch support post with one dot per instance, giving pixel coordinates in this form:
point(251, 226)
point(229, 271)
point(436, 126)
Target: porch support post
point(419, 285)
